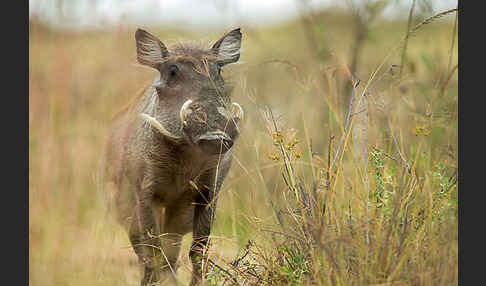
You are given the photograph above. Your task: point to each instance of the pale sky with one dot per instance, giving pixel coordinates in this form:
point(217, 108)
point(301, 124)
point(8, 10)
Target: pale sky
point(190, 14)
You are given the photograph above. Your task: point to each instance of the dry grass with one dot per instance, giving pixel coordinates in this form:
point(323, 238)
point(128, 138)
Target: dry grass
point(311, 217)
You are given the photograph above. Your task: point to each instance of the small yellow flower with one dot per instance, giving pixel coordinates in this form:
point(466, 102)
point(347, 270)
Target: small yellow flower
point(274, 156)
point(288, 146)
point(277, 137)
point(421, 130)
point(297, 153)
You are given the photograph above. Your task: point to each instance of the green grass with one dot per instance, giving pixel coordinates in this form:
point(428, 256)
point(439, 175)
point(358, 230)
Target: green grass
point(356, 222)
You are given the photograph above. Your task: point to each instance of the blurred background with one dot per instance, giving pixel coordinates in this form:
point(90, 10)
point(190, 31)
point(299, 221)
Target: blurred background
point(201, 15)
point(364, 97)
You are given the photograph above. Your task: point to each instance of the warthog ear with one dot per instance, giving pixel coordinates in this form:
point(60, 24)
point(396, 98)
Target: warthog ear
point(150, 50)
point(228, 47)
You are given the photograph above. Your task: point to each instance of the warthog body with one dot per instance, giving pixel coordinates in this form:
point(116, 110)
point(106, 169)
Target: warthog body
point(170, 150)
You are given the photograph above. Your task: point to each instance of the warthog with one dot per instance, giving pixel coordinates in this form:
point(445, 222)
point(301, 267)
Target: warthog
point(170, 150)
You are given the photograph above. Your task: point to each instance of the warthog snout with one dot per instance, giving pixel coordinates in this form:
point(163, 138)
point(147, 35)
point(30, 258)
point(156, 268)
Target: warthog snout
point(213, 130)
point(199, 127)
point(214, 142)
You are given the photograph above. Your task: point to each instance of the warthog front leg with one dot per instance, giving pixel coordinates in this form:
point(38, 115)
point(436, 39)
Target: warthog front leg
point(144, 237)
point(204, 213)
point(203, 217)
point(177, 221)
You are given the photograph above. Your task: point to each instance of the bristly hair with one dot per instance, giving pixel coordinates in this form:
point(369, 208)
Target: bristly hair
point(196, 52)
point(191, 47)
point(201, 50)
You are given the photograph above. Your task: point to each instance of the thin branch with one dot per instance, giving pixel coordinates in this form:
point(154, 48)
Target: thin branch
point(431, 19)
point(409, 25)
point(284, 234)
point(224, 270)
point(446, 83)
point(398, 147)
point(454, 31)
point(348, 121)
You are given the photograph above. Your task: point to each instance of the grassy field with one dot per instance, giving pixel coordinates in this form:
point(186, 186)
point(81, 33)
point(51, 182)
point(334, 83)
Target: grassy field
point(330, 197)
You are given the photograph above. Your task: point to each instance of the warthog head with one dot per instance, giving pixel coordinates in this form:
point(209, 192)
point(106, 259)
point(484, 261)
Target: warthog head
point(192, 102)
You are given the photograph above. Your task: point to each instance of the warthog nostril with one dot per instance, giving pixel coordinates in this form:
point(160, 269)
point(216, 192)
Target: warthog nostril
point(228, 143)
point(214, 142)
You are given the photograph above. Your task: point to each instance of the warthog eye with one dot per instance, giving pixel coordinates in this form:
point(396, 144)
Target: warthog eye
point(173, 69)
point(218, 67)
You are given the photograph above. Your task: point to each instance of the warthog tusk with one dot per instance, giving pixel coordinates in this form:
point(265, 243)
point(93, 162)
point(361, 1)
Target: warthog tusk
point(239, 113)
point(184, 111)
point(156, 124)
